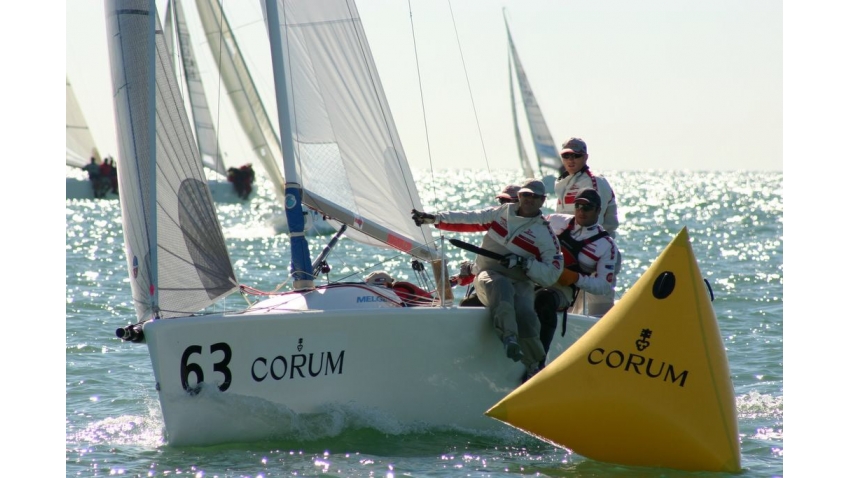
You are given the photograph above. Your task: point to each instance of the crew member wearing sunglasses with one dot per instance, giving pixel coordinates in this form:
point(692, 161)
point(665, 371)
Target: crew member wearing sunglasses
point(577, 177)
point(590, 260)
point(530, 254)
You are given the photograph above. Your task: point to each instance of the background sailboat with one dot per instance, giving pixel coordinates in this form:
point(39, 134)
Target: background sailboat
point(79, 149)
point(202, 122)
point(548, 158)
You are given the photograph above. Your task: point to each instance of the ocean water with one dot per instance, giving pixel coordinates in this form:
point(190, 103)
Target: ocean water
point(113, 426)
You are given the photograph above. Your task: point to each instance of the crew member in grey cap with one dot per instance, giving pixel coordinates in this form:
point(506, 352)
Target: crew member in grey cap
point(532, 255)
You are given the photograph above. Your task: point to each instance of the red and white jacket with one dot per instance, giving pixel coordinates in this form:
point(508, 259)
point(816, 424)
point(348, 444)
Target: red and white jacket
point(569, 186)
point(597, 259)
point(507, 233)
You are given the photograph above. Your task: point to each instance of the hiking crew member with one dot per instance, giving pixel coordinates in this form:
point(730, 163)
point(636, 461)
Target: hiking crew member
point(590, 257)
point(519, 232)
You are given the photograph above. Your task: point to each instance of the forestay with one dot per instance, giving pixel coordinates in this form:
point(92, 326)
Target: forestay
point(347, 151)
point(176, 253)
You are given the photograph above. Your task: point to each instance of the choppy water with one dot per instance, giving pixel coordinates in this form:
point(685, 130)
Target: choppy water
point(113, 426)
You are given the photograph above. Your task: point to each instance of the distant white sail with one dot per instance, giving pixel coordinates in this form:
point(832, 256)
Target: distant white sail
point(544, 147)
point(79, 143)
point(347, 152)
point(176, 253)
point(242, 91)
point(201, 116)
point(527, 170)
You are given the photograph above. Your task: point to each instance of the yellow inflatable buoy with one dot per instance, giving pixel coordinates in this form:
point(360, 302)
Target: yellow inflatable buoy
point(648, 385)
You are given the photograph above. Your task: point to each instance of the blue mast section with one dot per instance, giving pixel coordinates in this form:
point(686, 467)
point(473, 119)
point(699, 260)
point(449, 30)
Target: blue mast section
point(300, 265)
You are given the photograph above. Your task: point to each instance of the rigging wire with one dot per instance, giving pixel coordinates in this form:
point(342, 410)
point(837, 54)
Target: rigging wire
point(469, 88)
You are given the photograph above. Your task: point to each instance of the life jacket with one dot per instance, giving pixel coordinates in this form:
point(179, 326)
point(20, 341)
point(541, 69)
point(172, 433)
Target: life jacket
point(411, 294)
point(572, 247)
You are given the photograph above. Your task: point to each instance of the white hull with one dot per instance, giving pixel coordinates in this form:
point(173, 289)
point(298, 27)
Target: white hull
point(222, 191)
point(428, 366)
point(81, 189)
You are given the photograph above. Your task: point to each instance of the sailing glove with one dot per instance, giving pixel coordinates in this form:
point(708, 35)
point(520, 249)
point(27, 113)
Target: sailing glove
point(512, 260)
point(420, 218)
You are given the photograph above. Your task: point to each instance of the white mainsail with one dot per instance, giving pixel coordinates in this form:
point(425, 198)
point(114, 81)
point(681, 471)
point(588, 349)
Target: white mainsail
point(243, 93)
point(79, 143)
point(346, 151)
point(547, 155)
point(176, 253)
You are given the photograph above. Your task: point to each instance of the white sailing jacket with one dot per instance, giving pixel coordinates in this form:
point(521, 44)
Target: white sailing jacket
point(597, 259)
point(507, 233)
point(567, 188)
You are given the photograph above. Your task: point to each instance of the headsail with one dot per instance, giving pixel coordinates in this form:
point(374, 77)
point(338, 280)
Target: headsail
point(175, 248)
point(347, 153)
point(242, 92)
point(79, 143)
point(544, 147)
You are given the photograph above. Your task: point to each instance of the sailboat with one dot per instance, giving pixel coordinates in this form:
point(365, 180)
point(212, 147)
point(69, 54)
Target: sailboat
point(314, 349)
point(79, 147)
point(548, 159)
point(330, 345)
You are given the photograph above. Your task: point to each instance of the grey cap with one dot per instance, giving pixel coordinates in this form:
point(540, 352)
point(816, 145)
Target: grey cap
point(574, 145)
point(534, 186)
point(509, 192)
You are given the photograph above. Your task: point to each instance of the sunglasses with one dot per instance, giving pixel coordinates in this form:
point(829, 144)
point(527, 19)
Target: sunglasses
point(531, 195)
point(506, 200)
point(571, 155)
point(585, 207)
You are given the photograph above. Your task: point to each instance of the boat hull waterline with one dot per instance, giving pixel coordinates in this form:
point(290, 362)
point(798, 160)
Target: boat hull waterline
point(429, 367)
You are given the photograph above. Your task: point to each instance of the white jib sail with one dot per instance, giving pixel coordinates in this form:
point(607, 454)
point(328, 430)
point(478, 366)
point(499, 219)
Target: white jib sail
point(347, 151)
point(176, 253)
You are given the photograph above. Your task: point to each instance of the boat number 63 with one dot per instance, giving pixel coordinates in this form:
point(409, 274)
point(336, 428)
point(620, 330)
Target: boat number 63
point(188, 368)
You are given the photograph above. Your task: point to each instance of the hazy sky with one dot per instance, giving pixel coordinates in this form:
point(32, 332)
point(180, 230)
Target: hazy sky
point(657, 84)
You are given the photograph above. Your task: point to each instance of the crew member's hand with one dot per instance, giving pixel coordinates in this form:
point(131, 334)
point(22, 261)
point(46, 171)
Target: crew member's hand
point(512, 260)
point(420, 218)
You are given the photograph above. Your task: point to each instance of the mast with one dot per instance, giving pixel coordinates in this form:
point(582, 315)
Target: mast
point(151, 138)
point(300, 265)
